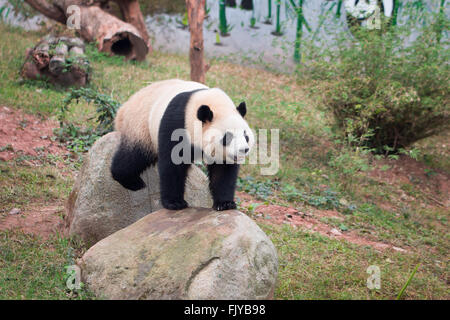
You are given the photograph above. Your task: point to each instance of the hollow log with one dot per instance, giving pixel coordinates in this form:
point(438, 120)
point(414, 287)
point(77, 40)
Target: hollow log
point(196, 15)
point(131, 12)
point(111, 34)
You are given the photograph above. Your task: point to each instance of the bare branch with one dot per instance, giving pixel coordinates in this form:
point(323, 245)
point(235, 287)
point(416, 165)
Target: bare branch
point(51, 11)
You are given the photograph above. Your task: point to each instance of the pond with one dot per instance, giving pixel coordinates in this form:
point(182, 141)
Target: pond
point(251, 39)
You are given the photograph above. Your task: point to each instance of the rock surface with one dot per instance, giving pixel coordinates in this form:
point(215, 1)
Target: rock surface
point(99, 206)
point(195, 253)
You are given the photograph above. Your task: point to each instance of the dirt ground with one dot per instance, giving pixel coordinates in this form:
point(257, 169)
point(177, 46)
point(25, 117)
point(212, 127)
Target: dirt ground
point(44, 221)
point(310, 221)
point(434, 184)
point(23, 134)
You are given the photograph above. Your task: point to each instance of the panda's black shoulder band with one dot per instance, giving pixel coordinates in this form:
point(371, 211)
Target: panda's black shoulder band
point(173, 118)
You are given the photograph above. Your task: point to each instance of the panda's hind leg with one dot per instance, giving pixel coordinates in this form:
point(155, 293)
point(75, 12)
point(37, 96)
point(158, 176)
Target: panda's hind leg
point(129, 161)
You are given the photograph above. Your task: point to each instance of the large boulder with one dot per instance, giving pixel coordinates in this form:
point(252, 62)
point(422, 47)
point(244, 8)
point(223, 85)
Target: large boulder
point(195, 253)
point(99, 206)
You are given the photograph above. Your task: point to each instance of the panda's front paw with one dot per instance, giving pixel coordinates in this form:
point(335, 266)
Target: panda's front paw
point(174, 205)
point(224, 205)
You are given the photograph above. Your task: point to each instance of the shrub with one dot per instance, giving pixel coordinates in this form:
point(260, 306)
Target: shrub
point(81, 139)
point(385, 94)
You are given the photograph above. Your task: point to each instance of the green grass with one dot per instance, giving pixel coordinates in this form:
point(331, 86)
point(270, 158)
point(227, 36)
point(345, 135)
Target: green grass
point(317, 172)
point(23, 185)
point(315, 267)
point(31, 268)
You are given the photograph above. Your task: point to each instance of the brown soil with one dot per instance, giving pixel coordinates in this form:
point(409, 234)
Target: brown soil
point(435, 185)
point(25, 134)
point(309, 221)
point(42, 220)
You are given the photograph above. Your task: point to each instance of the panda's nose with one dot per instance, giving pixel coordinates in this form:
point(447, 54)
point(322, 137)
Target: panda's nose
point(244, 150)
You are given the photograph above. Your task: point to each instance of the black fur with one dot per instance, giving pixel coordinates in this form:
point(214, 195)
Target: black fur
point(204, 114)
point(173, 176)
point(222, 183)
point(129, 161)
point(242, 109)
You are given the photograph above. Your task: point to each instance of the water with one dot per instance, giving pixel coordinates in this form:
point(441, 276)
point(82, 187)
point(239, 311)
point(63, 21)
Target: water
point(248, 45)
point(245, 44)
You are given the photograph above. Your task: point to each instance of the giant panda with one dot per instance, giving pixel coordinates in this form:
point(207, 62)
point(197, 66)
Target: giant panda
point(214, 128)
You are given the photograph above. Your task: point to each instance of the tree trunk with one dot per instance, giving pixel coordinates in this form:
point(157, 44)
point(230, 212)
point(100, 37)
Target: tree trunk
point(196, 15)
point(111, 34)
point(49, 10)
point(132, 14)
point(247, 4)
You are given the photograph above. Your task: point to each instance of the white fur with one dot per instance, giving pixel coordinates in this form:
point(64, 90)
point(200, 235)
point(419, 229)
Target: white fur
point(139, 118)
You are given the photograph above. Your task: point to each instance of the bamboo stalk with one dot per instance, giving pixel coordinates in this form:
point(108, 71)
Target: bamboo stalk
point(223, 19)
point(299, 33)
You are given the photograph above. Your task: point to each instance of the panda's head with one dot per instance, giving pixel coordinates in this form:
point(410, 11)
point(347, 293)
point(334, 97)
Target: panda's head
point(226, 136)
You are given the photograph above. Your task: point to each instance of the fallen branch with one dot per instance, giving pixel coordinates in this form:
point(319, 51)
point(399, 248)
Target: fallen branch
point(128, 38)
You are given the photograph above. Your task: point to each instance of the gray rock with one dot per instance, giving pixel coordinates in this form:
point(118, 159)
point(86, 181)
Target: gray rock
point(99, 206)
point(14, 211)
point(195, 253)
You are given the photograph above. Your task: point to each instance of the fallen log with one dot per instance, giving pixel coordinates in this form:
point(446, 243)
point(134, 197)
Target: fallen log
point(127, 38)
point(59, 60)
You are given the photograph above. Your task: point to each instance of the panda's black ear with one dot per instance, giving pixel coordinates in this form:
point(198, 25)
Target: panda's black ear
point(242, 108)
point(204, 114)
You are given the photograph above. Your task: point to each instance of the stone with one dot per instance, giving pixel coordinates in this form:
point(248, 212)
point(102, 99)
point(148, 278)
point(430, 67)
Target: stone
point(195, 253)
point(14, 211)
point(99, 206)
point(336, 232)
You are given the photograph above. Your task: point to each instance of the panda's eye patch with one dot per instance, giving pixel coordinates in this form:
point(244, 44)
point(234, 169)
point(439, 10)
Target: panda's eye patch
point(246, 136)
point(226, 140)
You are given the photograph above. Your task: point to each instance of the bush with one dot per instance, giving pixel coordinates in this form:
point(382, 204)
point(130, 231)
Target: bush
point(81, 139)
point(385, 95)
